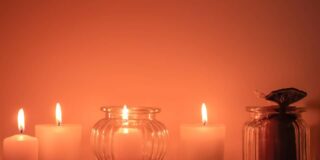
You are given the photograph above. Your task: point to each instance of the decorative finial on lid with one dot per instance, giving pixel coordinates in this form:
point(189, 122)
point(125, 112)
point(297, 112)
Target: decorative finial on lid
point(286, 96)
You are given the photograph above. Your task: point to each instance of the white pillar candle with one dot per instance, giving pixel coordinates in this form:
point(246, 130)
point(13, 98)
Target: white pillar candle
point(202, 141)
point(20, 146)
point(59, 142)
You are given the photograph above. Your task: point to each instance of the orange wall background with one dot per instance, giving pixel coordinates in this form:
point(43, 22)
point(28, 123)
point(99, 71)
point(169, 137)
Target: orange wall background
point(171, 54)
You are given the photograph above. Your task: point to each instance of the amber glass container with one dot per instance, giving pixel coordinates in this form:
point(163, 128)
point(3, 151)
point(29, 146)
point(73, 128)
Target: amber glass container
point(276, 134)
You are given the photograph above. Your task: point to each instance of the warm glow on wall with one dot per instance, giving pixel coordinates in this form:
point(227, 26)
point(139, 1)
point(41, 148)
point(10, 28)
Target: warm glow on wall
point(174, 55)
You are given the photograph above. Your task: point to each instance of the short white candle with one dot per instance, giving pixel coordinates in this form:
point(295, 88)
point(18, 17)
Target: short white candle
point(20, 146)
point(127, 142)
point(202, 141)
point(59, 142)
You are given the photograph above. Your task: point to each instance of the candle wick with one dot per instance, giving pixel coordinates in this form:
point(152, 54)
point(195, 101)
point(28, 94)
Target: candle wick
point(125, 122)
point(21, 131)
point(59, 123)
point(204, 123)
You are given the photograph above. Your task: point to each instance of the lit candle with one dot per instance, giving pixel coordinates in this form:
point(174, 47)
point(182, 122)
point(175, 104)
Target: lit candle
point(60, 141)
point(202, 141)
point(20, 146)
point(127, 141)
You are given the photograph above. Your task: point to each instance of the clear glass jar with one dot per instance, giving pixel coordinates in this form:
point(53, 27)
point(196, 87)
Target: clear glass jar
point(276, 134)
point(139, 137)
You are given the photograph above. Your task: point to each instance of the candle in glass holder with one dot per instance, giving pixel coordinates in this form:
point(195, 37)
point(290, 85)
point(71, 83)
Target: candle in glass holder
point(128, 142)
point(20, 146)
point(129, 134)
point(60, 141)
point(202, 141)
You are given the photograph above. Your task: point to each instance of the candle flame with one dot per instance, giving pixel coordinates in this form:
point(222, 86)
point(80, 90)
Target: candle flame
point(58, 114)
point(21, 123)
point(204, 114)
point(125, 113)
point(125, 117)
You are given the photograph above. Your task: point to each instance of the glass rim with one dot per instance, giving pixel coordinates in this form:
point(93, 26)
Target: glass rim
point(274, 108)
point(132, 109)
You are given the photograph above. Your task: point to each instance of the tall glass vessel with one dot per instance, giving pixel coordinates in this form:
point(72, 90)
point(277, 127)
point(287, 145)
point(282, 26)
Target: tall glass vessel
point(275, 133)
point(131, 133)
